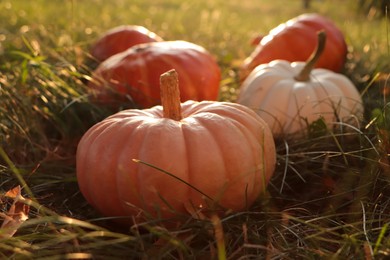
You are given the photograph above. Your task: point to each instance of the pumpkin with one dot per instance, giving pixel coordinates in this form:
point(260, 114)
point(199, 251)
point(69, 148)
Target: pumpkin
point(294, 40)
point(216, 152)
point(135, 73)
point(256, 40)
point(121, 38)
point(291, 96)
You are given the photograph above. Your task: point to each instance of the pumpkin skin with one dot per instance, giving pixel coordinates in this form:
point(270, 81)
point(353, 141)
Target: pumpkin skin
point(289, 105)
point(295, 40)
point(121, 38)
point(223, 149)
point(136, 71)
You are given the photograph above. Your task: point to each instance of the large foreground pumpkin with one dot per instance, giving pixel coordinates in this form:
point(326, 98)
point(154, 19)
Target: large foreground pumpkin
point(134, 74)
point(221, 152)
point(295, 40)
point(291, 96)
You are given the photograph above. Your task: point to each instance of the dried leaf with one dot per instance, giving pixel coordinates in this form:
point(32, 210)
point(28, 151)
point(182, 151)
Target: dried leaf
point(16, 215)
point(13, 193)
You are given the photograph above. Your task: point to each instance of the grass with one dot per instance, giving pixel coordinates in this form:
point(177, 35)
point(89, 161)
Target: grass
point(329, 197)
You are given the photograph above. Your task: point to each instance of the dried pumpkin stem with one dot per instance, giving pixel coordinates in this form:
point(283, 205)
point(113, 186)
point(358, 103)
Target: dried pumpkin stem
point(170, 95)
point(304, 74)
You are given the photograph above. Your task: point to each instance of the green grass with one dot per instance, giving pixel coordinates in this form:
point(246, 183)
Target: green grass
point(329, 197)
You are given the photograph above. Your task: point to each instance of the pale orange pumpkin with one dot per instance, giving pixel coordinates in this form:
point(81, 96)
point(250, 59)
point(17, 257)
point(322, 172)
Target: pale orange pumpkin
point(221, 152)
point(290, 96)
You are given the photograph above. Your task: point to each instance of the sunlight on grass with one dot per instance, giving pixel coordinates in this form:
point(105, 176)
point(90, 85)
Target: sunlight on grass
point(329, 197)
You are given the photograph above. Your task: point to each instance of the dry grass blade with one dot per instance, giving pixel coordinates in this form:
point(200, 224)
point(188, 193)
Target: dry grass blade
point(175, 177)
point(219, 236)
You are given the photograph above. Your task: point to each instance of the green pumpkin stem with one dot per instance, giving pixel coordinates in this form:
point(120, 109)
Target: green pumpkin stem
point(170, 95)
point(304, 74)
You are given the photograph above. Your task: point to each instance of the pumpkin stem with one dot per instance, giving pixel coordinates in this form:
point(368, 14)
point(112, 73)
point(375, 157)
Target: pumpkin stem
point(304, 74)
point(170, 95)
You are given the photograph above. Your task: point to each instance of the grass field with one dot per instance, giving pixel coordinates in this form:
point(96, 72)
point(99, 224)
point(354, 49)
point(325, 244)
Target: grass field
point(335, 200)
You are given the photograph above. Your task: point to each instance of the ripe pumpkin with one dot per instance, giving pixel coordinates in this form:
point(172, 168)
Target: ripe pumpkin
point(121, 38)
point(219, 150)
point(294, 40)
point(289, 96)
point(136, 71)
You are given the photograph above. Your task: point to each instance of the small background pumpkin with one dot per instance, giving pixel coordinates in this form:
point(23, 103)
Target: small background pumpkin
point(133, 75)
point(290, 96)
point(295, 40)
point(222, 149)
point(121, 38)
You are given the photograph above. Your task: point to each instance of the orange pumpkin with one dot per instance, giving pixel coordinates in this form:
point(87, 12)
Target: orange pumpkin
point(135, 73)
point(121, 38)
point(294, 40)
point(221, 152)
